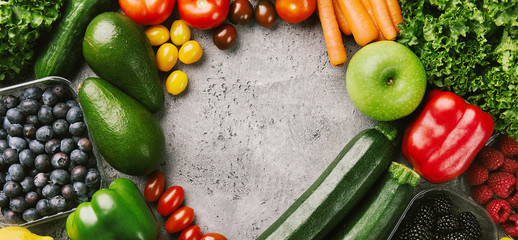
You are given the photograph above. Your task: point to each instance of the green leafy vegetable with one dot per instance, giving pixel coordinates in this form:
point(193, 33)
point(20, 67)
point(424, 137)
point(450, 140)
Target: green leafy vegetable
point(471, 49)
point(22, 22)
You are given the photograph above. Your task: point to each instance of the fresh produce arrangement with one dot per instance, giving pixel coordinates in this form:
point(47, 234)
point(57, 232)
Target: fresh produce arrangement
point(439, 80)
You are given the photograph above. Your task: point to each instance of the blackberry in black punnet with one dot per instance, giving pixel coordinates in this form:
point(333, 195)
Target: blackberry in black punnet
point(442, 204)
point(425, 214)
point(414, 232)
point(446, 223)
point(468, 222)
point(457, 235)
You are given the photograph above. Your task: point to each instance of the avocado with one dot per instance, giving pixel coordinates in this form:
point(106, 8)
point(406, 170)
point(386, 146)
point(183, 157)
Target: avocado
point(118, 51)
point(125, 133)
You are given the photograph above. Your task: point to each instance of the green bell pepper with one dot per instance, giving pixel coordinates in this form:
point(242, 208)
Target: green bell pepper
point(119, 212)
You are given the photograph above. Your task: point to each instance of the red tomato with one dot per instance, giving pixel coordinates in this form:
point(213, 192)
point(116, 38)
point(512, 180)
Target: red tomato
point(179, 220)
point(147, 12)
point(203, 14)
point(294, 11)
point(170, 200)
point(191, 233)
point(213, 236)
point(154, 187)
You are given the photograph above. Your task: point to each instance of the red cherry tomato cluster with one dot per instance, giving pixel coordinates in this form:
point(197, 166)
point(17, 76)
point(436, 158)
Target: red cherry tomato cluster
point(169, 205)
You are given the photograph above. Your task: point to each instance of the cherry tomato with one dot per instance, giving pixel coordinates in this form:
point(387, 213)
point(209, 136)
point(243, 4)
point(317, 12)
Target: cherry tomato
point(225, 36)
point(157, 34)
point(190, 52)
point(166, 57)
point(191, 233)
point(265, 13)
point(154, 186)
point(180, 32)
point(170, 200)
point(179, 220)
point(241, 12)
point(203, 14)
point(176, 82)
point(213, 236)
point(147, 12)
point(295, 11)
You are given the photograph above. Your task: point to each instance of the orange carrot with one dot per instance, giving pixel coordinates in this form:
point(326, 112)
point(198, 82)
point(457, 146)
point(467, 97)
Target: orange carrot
point(395, 13)
point(342, 23)
point(367, 5)
point(332, 34)
point(383, 19)
point(363, 28)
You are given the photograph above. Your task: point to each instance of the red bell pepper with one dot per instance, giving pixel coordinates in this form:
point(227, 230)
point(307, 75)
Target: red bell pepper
point(442, 141)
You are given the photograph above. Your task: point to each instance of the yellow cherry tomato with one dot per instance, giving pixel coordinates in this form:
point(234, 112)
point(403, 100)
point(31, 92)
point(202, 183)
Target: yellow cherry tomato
point(180, 32)
point(176, 82)
point(190, 52)
point(166, 57)
point(157, 34)
point(506, 238)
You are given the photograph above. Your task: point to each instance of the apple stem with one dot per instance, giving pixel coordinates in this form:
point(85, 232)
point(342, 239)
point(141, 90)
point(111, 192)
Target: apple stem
point(390, 82)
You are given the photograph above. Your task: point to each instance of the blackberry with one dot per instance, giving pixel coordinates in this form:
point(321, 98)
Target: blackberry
point(414, 232)
point(468, 222)
point(442, 204)
point(457, 235)
point(424, 214)
point(446, 223)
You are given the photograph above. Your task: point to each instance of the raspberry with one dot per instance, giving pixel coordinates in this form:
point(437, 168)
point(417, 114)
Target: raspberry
point(481, 194)
point(511, 225)
point(476, 174)
point(501, 183)
point(509, 166)
point(513, 200)
point(507, 146)
point(499, 210)
point(490, 158)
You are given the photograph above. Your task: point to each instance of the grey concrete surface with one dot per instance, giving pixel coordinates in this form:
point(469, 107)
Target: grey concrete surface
point(256, 126)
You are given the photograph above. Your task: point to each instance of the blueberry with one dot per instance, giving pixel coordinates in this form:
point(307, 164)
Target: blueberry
point(14, 115)
point(60, 177)
point(61, 91)
point(84, 144)
point(50, 190)
point(11, 101)
point(18, 204)
point(78, 174)
point(42, 162)
point(80, 188)
point(60, 126)
point(92, 178)
point(3, 133)
point(41, 179)
point(26, 158)
point(6, 124)
point(79, 157)
point(72, 103)
point(29, 107)
point(12, 189)
point(32, 198)
point(60, 160)
point(77, 128)
point(16, 172)
point(57, 204)
point(28, 184)
point(12, 217)
point(43, 207)
point(68, 192)
point(17, 143)
point(36, 146)
point(74, 114)
point(3, 145)
point(32, 119)
point(4, 200)
point(15, 130)
point(67, 145)
point(81, 199)
point(45, 114)
point(33, 93)
point(10, 156)
point(30, 214)
point(52, 146)
point(49, 98)
point(44, 133)
point(60, 110)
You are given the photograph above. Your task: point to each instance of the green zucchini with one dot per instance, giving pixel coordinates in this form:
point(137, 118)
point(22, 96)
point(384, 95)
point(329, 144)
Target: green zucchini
point(61, 51)
point(342, 184)
point(377, 213)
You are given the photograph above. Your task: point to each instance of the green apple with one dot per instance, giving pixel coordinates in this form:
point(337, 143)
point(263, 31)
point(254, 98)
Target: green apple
point(385, 80)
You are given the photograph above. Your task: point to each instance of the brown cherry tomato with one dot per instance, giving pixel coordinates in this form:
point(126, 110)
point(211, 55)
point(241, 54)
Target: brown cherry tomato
point(213, 236)
point(170, 200)
point(191, 233)
point(224, 36)
point(179, 220)
point(241, 12)
point(265, 13)
point(154, 186)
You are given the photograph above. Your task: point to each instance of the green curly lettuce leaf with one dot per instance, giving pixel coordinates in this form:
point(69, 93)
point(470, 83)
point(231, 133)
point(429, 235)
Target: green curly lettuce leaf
point(469, 48)
point(22, 22)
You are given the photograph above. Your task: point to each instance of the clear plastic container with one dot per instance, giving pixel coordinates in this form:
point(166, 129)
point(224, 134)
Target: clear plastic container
point(17, 90)
point(460, 203)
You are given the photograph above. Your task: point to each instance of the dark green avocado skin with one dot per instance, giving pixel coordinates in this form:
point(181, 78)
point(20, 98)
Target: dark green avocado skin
point(118, 51)
point(125, 133)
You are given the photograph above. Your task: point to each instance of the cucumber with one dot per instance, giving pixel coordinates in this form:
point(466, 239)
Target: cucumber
point(342, 184)
point(377, 213)
point(61, 51)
